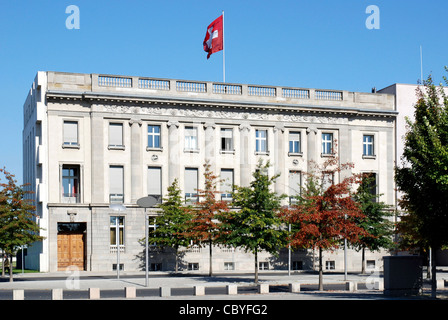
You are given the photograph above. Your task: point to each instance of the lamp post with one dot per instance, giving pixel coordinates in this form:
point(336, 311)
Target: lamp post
point(118, 207)
point(147, 202)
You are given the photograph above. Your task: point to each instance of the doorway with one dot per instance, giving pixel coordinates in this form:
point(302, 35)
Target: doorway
point(71, 245)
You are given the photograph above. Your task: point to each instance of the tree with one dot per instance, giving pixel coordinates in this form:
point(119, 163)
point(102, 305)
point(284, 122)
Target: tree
point(204, 227)
point(423, 175)
point(171, 223)
point(325, 213)
point(255, 225)
point(17, 218)
point(376, 219)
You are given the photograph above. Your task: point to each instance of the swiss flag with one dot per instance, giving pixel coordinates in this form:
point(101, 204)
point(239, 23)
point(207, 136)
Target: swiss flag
point(213, 41)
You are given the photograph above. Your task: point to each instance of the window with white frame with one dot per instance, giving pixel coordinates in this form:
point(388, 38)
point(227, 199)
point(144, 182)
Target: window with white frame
point(70, 184)
point(261, 141)
point(155, 183)
point(191, 185)
point(117, 233)
point(327, 180)
point(116, 187)
point(115, 135)
point(330, 265)
point(191, 139)
point(70, 134)
point(228, 266)
point(295, 179)
point(227, 139)
point(226, 184)
point(294, 142)
point(368, 145)
point(154, 137)
point(263, 265)
point(327, 143)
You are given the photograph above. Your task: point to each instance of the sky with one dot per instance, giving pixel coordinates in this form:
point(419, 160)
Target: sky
point(324, 44)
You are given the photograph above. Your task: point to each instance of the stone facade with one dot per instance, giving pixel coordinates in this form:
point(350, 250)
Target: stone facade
point(91, 140)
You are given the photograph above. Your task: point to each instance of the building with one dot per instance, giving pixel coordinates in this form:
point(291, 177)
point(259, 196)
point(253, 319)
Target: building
point(92, 140)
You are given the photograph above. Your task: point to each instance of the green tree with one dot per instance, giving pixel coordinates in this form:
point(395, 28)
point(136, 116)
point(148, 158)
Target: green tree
point(204, 228)
point(376, 220)
point(171, 223)
point(17, 218)
point(255, 225)
point(423, 175)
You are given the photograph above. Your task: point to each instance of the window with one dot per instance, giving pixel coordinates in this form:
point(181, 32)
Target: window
point(70, 134)
point(294, 142)
point(294, 186)
point(191, 185)
point(228, 266)
point(155, 183)
point(261, 142)
point(330, 265)
point(116, 232)
point(263, 265)
point(116, 136)
point(191, 138)
point(226, 184)
point(297, 265)
point(154, 137)
point(370, 264)
point(367, 145)
point(193, 266)
point(116, 194)
point(327, 143)
point(155, 267)
point(70, 184)
point(227, 139)
point(327, 180)
point(369, 180)
point(151, 230)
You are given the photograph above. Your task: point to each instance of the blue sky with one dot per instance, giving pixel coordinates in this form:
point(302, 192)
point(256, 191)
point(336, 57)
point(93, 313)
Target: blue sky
point(298, 43)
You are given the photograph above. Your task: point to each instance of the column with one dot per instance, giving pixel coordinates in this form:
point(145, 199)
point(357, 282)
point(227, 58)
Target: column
point(279, 158)
point(245, 170)
point(312, 147)
point(136, 160)
point(173, 151)
point(97, 166)
point(210, 145)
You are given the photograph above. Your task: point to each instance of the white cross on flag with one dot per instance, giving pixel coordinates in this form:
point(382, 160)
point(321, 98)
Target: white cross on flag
point(213, 41)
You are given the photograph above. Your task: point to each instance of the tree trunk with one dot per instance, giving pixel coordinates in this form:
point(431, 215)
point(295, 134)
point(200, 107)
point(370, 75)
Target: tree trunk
point(210, 270)
point(256, 266)
point(11, 278)
point(321, 284)
point(363, 260)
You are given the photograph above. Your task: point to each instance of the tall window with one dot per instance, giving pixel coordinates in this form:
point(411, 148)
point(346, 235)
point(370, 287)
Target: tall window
point(370, 179)
point(327, 180)
point(116, 193)
point(155, 182)
point(70, 184)
point(226, 184)
point(154, 136)
point(294, 185)
point(367, 145)
point(115, 135)
point(191, 138)
point(117, 233)
point(191, 185)
point(327, 143)
point(261, 142)
point(226, 139)
point(70, 134)
point(294, 142)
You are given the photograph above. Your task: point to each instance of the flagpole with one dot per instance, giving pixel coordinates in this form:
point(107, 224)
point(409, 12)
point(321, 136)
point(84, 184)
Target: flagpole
point(223, 51)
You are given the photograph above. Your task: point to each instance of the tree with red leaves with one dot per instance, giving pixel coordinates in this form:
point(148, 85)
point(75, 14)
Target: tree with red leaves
point(204, 228)
point(325, 213)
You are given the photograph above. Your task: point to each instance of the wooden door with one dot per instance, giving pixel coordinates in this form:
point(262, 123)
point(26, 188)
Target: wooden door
point(71, 250)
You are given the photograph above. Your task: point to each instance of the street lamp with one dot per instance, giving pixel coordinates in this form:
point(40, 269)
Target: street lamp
point(118, 207)
point(147, 202)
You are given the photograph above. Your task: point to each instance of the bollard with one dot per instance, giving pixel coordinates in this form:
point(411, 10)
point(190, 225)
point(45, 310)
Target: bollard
point(378, 285)
point(94, 293)
point(199, 290)
point(440, 284)
point(263, 288)
point(165, 291)
point(56, 294)
point(18, 294)
point(294, 287)
point(130, 292)
point(350, 286)
point(232, 289)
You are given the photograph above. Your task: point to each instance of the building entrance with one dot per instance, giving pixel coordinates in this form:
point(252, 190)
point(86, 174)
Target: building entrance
point(71, 245)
